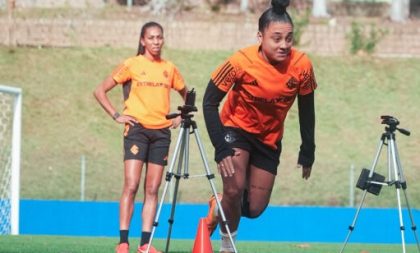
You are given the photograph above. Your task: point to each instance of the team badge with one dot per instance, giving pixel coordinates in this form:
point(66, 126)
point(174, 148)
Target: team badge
point(292, 83)
point(230, 137)
point(165, 74)
point(134, 149)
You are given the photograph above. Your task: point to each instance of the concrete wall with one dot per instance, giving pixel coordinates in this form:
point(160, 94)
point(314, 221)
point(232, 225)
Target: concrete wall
point(402, 40)
point(56, 3)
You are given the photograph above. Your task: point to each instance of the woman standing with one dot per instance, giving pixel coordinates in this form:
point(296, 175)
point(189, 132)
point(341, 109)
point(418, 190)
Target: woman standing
point(147, 80)
point(262, 83)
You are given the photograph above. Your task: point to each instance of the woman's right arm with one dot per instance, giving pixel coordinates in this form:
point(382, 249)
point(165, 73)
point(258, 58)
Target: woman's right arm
point(100, 94)
point(215, 129)
point(221, 82)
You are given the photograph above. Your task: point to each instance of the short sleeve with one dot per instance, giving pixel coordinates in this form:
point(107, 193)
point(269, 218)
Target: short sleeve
point(121, 73)
point(177, 80)
point(307, 77)
point(225, 76)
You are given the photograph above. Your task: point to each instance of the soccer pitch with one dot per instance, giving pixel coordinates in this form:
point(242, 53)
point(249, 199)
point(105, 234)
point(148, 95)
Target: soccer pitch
point(58, 244)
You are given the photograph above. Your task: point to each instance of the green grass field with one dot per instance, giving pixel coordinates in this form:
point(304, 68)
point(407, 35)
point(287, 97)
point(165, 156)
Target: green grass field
point(62, 121)
point(55, 244)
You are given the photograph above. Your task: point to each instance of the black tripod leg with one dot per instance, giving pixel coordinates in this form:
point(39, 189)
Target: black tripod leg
point(172, 215)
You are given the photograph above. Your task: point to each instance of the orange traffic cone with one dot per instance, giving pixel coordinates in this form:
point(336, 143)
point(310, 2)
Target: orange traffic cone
point(202, 243)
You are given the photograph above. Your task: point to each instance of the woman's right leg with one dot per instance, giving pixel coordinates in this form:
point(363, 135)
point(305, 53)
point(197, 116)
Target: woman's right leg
point(233, 188)
point(132, 174)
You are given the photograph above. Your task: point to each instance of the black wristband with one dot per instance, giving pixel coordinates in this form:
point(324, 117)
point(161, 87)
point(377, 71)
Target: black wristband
point(115, 116)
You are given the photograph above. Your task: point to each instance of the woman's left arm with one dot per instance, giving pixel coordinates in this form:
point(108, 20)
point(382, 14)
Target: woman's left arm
point(183, 92)
point(177, 121)
point(306, 107)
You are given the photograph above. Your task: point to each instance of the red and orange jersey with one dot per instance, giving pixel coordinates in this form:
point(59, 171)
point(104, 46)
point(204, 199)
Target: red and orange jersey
point(260, 94)
point(148, 97)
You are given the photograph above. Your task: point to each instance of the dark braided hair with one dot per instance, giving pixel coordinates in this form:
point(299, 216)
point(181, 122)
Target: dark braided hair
point(277, 13)
point(143, 31)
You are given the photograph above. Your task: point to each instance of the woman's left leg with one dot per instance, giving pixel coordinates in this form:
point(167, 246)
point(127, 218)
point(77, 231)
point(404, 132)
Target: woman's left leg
point(160, 140)
point(258, 192)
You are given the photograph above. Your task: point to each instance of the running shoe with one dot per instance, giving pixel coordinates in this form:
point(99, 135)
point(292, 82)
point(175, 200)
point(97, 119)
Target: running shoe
point(212, 218)
point(122, 248)
point(143, 249)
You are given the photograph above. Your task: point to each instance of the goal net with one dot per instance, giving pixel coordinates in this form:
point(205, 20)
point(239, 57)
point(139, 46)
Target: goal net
point(10, 135)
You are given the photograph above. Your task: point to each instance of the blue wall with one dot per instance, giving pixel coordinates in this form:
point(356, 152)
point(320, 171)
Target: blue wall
point(278, 223)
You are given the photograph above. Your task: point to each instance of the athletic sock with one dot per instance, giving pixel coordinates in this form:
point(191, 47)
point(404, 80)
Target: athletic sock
point(123, 236)
point(226, 245)
point(145, 238)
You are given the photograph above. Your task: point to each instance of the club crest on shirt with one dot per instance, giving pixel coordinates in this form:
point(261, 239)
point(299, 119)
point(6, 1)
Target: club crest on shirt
point(165, 74)
point(292, 83)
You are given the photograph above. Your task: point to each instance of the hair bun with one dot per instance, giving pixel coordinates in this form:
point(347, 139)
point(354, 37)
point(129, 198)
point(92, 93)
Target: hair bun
point(279, 6)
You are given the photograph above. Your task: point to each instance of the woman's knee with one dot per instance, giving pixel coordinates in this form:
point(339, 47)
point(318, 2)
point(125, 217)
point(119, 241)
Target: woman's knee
point(151, 190)
point(232, 192)
point(130, 189)
point(251, 211)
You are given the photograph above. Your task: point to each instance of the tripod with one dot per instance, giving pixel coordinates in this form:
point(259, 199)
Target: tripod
point(181, 152)
point(372, 182)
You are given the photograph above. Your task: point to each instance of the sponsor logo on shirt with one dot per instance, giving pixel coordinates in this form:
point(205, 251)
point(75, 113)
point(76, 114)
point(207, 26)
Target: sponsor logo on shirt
point(281, 99)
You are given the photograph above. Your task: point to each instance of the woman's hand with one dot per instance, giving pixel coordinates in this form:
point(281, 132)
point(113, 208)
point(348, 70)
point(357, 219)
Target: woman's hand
point(226, 167)
point(306, 171)
point(125, 119)
point(176, 121)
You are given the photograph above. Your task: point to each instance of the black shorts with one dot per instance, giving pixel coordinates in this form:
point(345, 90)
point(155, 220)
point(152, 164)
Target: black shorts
point(147, 145)
point(260, 155)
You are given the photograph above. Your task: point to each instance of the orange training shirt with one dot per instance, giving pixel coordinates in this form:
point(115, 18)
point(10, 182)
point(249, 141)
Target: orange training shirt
point(261, 95)
point(148, 99)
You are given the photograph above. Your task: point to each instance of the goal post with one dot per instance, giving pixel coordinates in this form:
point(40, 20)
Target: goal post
point(10, 146)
